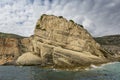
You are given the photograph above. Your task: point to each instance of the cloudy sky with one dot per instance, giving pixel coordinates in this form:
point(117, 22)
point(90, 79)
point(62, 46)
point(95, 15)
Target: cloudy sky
point(99, 17)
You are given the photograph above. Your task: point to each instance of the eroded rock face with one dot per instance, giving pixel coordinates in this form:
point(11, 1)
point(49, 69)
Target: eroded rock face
point(8, 49)
point(11, 48)
point(64, 43)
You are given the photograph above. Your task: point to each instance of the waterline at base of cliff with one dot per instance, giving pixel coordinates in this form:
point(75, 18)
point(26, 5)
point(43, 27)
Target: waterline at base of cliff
point(109, 71)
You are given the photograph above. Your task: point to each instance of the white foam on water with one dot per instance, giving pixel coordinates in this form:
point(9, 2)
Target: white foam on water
point(102, 66)
point(110, 63)
point(93, 66)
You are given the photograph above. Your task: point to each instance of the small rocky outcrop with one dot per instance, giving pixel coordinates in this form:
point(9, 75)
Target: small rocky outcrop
point(28, 59)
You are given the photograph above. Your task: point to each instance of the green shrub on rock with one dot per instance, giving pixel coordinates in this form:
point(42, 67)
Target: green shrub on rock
point(71, 21)
point(80, 25)
point(60, 16)
point(37, 26)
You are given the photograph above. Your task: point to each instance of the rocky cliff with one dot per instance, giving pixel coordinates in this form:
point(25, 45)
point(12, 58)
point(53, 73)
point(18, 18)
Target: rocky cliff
point(56, 42)
point(62, 43)
point(11, 47)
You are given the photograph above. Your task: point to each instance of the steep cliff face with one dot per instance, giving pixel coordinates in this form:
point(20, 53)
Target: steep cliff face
point(11, 47)
point(8, 49)
point(64, 43)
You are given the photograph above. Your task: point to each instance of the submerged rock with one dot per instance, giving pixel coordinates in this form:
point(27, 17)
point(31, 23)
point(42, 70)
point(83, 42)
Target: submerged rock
point(28, 59)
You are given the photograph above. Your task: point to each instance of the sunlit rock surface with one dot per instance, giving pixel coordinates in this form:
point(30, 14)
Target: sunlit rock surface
point(64, 43)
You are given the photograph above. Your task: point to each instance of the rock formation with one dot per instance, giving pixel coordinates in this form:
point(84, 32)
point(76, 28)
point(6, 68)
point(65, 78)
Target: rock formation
point(56, 42)
point(28, 59)
point(65, 44)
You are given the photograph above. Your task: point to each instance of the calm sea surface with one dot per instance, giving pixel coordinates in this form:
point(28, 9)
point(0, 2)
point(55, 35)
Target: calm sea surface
point(109, 71)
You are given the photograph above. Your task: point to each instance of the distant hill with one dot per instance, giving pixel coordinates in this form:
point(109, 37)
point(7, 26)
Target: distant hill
point(8, 35)
point(109, 40)
point(111, 43)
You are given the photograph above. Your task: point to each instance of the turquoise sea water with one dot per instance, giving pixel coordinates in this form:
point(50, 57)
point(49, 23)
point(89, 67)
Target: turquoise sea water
point(109, 71)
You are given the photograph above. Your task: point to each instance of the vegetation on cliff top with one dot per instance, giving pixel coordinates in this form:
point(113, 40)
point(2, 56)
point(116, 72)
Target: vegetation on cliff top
point(8, 35)
point(38, 26)
point(109, 40)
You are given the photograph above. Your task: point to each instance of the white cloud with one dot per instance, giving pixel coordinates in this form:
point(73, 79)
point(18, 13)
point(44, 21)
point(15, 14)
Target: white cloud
point(100, 17)
point(17, 17)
